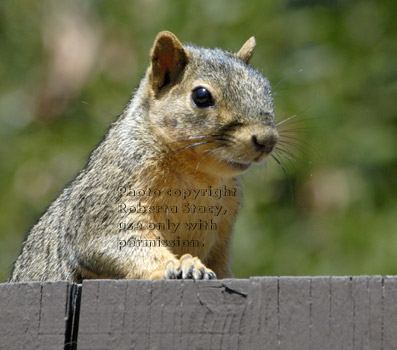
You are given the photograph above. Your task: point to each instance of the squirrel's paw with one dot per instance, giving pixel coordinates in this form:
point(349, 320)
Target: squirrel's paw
point(188, 267)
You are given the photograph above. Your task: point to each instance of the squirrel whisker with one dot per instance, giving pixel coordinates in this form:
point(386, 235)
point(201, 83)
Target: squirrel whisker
point(286, 153)
point(294, 145)
point(286, 120)
point(298, 144)
point(293, 130)
point(199, 144)
point(280, 163)
point(284, 169)
point(210, 151)
point(280, 154)
point(199, 138)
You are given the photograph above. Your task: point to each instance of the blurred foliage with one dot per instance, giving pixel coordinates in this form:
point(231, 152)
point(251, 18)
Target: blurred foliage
point(67, 69)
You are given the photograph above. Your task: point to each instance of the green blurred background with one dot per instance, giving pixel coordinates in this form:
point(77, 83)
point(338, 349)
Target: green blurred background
point(67, 69)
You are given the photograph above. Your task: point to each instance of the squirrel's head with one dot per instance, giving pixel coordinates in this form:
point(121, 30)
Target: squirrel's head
point(212, 109)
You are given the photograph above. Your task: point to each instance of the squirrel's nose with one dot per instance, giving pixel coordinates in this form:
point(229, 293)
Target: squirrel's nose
point(264, 143)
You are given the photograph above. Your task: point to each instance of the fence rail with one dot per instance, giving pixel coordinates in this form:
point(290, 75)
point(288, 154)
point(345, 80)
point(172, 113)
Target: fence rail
point(280, 313)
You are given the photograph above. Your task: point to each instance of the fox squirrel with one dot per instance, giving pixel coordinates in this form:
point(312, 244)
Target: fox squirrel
point(159, 195)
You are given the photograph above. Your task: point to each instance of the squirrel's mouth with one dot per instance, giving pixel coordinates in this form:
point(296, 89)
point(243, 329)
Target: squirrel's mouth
point(244, 166)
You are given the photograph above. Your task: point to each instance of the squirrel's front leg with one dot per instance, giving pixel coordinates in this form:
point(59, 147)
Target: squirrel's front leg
point(103, 258)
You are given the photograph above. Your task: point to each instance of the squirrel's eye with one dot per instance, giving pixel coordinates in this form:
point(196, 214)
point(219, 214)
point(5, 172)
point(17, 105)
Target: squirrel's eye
point(202, 98)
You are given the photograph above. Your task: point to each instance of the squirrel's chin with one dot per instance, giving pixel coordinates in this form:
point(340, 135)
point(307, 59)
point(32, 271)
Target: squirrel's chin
point(227, 168)
point(261, 158)
point(239, 166)
point(233, 168)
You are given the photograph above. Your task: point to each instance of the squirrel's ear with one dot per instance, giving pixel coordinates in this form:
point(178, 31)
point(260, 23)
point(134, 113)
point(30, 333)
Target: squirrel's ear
point(168, 60)
point(247, 50)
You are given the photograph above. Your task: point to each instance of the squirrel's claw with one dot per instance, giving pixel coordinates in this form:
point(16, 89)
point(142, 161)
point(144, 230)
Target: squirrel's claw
point(188, 268)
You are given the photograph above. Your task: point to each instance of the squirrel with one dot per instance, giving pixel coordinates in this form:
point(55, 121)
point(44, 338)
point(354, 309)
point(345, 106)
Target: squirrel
point(159, 195)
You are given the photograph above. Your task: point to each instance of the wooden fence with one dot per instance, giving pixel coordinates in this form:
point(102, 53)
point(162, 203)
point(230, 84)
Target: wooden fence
point(298, 313)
